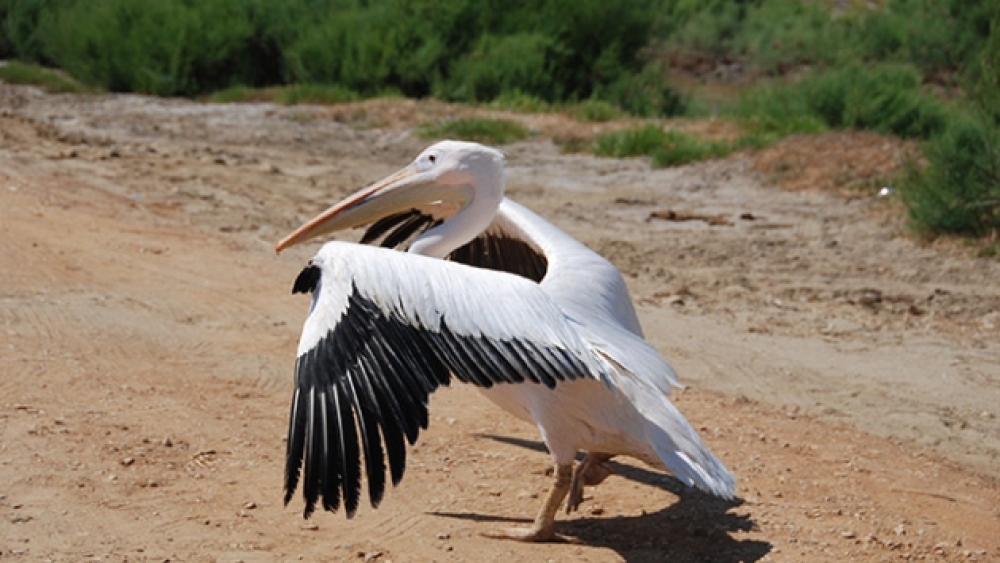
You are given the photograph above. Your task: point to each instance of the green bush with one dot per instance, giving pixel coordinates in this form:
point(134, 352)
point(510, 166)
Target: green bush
point(464, 50)
point(881, 66)
point(681, 148)
point(959, 190)
point(519, 62)
point(887, 98)
point(54, 82)
point(350, 47)
point(474, 51)
point(767, 36)
point(667, 147)
point(646, 93)
point(780, 35)
point(595, 111)
point(637, 141)
point(941, 37)
point(519, 101)
point(164, 47)
point(480, 130)
point(19, 29)
point(775, 37)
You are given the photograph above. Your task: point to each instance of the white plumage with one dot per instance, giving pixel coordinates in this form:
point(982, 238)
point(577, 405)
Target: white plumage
point(540, 323)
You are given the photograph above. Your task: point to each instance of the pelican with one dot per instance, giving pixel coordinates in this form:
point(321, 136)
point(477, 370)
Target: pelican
point(487, 293)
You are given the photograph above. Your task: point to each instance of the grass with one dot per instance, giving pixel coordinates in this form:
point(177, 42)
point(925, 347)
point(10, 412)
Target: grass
point(900, 67)
point(520, 102)
point(958, 191)
point(666, 147)
point(53, 82)
point(595, 111)
point(478, 129)
point(241, 94)
point(761, 131)
point(681, 148)
point(638, 141)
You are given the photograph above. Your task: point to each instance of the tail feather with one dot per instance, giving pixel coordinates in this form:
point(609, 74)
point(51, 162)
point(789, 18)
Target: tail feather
point(644, 378)
point(678, 446)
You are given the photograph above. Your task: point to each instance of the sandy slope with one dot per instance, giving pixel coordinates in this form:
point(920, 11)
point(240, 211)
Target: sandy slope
point(849, 376)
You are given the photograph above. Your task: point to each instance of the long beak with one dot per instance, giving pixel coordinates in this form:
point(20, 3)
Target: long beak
point(398, 192)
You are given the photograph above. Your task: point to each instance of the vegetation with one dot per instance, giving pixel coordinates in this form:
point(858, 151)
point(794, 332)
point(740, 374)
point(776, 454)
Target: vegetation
point(596, 111)
point(480, 130)
point(288, 95)
point(461, 50)
point(51, 81)
point(631, 142)
point(666, 147)
point(921, 69)
point(959, 192)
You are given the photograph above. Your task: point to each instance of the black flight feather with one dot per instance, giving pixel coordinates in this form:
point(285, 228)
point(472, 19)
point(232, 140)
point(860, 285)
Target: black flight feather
point(362, 391)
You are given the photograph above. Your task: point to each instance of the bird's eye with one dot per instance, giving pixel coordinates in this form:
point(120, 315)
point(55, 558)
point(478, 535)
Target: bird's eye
point(427, 161)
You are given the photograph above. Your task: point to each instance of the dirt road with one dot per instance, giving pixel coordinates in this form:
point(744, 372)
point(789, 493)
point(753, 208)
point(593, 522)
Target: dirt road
point(847, 374)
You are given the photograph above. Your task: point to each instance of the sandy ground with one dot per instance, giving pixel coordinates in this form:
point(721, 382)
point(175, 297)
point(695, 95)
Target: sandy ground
point(847, 374)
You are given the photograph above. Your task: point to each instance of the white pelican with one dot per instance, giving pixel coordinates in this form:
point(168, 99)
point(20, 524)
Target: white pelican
point(491, 294)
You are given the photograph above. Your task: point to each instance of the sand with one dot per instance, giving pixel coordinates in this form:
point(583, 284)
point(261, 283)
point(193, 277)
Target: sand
point(847, 372)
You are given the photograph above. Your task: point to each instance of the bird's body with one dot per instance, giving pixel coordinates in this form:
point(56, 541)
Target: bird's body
point(541, 324)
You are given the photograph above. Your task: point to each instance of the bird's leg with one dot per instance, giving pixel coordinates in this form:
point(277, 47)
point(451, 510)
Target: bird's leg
point(591, 472)
point(542, 529)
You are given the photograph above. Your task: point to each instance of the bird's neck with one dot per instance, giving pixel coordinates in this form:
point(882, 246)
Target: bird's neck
point(471, 220)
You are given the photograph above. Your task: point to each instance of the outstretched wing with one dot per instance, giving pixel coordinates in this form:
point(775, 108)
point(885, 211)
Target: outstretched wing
point(385, 330)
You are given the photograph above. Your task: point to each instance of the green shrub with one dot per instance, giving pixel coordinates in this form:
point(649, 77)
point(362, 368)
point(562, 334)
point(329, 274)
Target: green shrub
point(646, 93)
point(981, 75)
point(595, 111)
point(780, 35)
point(886, 98)
point(165, 47)
point(519, 62)
point(941, 37)
point(681, 148)
point(464, 50)
point(54, 82)
point(353, 48)
point(474, 51)
point(959, 190)
point(637, 141)
point(480, 130)
point(666, 147)
point(761, 131)
point(707, 27)
point(519, 101)
point(19, 29)
point(774, 37)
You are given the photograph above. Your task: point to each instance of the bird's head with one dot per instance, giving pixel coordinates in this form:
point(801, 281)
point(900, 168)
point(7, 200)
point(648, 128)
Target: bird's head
point(453, 172)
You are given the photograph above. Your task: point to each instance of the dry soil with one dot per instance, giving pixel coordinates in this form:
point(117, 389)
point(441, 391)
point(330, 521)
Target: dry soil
point(846, 372)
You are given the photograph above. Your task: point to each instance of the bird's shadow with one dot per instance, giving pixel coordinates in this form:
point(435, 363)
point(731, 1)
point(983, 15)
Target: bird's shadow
point(697, 527)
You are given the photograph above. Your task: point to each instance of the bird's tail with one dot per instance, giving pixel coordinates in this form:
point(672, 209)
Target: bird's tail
point(637, 370)
point(680, 448)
